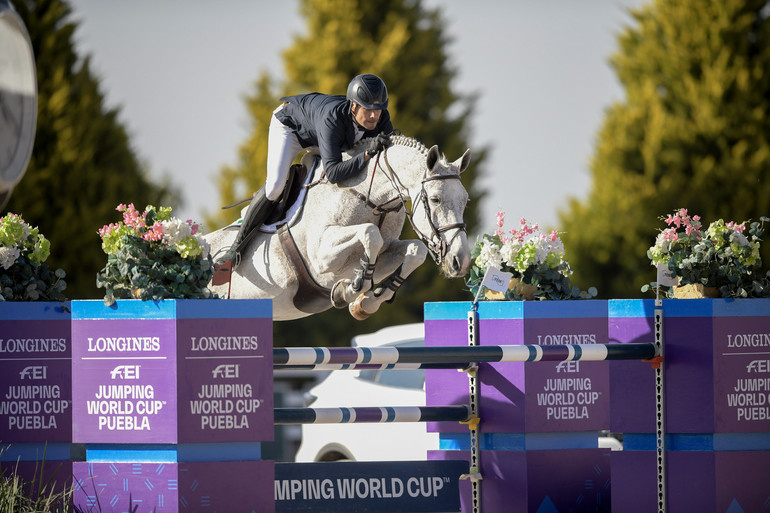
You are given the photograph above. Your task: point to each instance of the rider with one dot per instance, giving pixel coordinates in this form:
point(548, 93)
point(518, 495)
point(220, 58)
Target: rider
point(327, 123)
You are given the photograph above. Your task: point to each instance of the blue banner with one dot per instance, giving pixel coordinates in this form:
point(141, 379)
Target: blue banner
point(368, 487)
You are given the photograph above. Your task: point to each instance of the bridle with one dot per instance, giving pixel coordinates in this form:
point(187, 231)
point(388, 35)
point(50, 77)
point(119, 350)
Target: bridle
point(437, 244)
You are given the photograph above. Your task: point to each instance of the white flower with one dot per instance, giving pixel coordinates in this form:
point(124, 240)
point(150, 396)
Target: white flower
point(509, 251)
point(489, 255)
point(175, 230)
point(8, 256)
point(203, 243)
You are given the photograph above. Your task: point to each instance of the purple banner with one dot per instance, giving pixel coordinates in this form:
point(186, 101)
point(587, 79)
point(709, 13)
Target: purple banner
point(174, 487)
point(124, 381)
point(528, 397)
point(632, 383)
point(703, 481)
point(567, 396)
point(742, 374)
point(225, 380)
point(502, 384)
point(569, 480)
point(36, 381)
point(635, 482)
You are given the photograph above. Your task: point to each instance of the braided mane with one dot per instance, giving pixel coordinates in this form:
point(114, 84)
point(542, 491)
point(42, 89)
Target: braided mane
point(397, 140)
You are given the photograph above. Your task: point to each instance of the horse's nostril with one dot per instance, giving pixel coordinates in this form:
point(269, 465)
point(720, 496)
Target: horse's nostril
point(456, 264)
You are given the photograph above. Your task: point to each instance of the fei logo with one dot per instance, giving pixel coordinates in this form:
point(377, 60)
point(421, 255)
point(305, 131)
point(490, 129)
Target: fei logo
point(34, 372)
point(758, 366)
point(125, 372)
point(226, 370)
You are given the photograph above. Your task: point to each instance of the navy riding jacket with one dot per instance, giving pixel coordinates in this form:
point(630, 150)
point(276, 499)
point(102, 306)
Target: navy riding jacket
point(325, 121)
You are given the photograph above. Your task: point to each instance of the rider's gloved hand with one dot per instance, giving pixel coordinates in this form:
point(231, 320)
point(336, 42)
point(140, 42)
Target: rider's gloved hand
point(378, 144)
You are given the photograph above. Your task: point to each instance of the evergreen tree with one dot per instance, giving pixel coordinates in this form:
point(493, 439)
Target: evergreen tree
point(693, 132)
point(402, 43)
point(82, 163)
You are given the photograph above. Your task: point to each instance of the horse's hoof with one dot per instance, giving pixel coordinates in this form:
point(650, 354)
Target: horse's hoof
point(357, 311)
point(337, 295)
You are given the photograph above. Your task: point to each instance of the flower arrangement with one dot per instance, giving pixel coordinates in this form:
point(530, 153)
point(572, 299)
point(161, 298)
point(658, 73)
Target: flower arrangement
point(535, 259)
point(722, 257)
point(153, 256)
point(24, 275)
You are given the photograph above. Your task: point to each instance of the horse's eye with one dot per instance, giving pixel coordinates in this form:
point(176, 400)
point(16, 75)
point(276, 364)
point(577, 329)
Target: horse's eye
point(435, 200)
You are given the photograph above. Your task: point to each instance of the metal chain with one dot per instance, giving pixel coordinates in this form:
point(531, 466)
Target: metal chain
point(660, 426)
point(475, 468)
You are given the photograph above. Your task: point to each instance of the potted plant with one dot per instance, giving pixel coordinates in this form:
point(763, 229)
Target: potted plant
point(535, 259)
point(153, 256)
point(722, 261)
point(24, 274)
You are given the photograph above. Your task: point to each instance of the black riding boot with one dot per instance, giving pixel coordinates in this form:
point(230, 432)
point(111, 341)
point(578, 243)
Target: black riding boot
point(259, 210)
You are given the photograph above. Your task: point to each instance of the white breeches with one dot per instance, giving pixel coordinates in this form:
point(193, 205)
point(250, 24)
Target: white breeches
point(282, 148)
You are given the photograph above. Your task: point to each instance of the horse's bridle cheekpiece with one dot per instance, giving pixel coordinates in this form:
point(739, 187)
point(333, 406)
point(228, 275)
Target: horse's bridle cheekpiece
point(436, 244)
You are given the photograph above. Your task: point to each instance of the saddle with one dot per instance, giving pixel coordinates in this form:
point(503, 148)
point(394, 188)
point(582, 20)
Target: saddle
point(294, 184)
point(311, 297)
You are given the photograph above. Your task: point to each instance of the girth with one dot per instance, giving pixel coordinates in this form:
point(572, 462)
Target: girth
point(310, 297)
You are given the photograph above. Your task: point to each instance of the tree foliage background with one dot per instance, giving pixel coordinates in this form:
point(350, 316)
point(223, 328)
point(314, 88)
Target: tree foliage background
point(82, 163)
point(404, 44)
point(692, 132)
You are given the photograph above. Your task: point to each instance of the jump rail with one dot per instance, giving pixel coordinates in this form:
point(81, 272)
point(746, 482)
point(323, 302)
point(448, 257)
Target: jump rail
point(347, 415)
point(449, 357)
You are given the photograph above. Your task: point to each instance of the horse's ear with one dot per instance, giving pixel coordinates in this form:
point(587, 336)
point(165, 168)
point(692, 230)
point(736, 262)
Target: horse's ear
point(433, 157)
point(463, 161)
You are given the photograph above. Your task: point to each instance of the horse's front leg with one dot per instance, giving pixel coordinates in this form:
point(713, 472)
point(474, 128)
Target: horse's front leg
point(395, 264)
point(336, 254)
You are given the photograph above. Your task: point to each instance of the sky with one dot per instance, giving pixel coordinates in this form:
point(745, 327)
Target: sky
point(179, 71)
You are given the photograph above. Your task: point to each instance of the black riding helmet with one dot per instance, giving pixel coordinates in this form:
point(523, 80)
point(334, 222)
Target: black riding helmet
point(369, 92)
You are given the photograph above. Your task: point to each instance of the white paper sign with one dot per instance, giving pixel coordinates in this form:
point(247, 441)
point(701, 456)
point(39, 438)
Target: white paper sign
point(495, 279)
point(666, 278)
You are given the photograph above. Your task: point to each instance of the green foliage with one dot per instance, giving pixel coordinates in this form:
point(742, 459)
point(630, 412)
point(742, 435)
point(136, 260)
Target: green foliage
point(403, 43)
point(691, 130)
point(24, 274)
point(722, 257)
point(27, 281)
point(144, 270)
point(82, 162)
point(531, 257)
point(153, 256)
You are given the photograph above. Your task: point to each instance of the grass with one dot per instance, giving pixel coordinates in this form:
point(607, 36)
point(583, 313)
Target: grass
point(40, 495)
point(36, 496)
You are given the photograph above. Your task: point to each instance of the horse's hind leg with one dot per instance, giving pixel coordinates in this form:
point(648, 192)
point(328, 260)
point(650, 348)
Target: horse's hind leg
point(400, 260)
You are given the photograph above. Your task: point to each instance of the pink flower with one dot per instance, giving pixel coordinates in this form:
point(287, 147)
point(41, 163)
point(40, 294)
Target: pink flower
point(670, 234)
point(107, 229)
point(554, 235)
point(498, 232)
point(500, 218)
point(155, 232)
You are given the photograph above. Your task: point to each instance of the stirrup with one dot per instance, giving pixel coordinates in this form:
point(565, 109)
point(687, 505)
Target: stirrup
point(223, 272)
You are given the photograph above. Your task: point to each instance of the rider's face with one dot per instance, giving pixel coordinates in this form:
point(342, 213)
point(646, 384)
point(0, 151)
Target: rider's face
point(365, 117)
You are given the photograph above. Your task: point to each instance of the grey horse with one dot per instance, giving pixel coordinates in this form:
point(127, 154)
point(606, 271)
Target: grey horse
point(343, 248)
